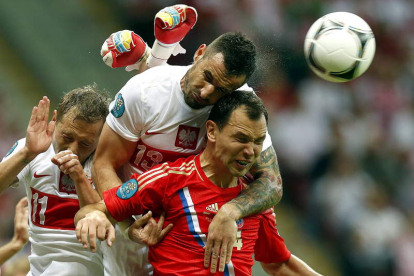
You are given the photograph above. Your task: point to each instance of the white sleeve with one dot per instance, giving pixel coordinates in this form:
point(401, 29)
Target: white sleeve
point(267, 142)
point(125, 117)
point(15, 149)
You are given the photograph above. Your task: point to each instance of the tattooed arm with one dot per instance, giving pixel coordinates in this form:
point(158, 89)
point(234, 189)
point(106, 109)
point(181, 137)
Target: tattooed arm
point(263, 193)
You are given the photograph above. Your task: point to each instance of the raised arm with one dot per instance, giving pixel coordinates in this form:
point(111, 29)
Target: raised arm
point(21, 234)
point(112, 152)
point(38, 139)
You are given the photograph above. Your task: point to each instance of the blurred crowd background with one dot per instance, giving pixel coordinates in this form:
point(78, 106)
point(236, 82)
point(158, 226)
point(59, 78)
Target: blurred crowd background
point(346, 151)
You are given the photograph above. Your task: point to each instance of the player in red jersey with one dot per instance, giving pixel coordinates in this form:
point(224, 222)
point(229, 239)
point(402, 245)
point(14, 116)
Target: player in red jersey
point(192, 190)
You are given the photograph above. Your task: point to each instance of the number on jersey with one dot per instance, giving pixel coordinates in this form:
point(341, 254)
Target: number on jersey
point(43, 205)
point(239, 242)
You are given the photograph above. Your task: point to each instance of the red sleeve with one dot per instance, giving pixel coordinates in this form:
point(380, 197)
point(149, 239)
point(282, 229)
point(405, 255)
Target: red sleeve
point(129, 199)
point(270, 246)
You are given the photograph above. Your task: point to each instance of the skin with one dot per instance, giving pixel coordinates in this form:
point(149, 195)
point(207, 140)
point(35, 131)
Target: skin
point(38, 138)
point(75, 140)
point(21, 234)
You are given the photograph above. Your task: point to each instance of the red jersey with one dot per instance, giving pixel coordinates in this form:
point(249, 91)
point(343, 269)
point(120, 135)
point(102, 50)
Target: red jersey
point(191, 200)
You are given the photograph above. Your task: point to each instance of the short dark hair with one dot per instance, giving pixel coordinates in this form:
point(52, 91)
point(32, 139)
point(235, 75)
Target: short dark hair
point(88, 104)
point(239, 53)
point(223, 108)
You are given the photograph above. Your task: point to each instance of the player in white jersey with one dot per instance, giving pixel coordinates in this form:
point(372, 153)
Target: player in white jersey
point(53, 162)
point(139, 143)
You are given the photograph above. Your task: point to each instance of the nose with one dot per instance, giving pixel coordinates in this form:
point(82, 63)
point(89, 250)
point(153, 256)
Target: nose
point(74, 147)
point(206, 91)
point(249, 150)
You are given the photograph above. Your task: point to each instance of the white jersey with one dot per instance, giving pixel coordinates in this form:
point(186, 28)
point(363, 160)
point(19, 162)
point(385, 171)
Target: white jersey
point(150, 109)
point(53, 203)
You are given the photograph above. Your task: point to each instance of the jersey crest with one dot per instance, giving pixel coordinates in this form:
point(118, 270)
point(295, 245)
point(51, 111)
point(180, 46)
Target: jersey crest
point(66, 184)
point(128, 189)
point(119, 106)
point(187, 137)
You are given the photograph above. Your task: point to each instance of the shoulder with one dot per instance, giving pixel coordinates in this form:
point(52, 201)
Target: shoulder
point(170, 173)
point(160, 74)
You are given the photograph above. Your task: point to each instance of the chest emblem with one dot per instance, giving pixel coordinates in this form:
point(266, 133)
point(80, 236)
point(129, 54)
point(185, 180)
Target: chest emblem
point(66, 184)
point(187, 137)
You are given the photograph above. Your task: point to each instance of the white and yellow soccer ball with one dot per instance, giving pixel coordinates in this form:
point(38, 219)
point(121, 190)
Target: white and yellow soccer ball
point(339, 46)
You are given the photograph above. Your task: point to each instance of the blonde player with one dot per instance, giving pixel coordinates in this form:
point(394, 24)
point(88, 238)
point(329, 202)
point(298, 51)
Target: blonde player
point(53, 163)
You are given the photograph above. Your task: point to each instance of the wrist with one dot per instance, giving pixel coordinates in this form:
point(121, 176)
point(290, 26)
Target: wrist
point(230, 211)
point(79, 177)
point(17, 244)
point(27, 155)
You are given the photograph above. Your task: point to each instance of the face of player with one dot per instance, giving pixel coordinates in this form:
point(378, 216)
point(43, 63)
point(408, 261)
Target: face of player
point(76, 135)
point(206, 82)
point(239, 143)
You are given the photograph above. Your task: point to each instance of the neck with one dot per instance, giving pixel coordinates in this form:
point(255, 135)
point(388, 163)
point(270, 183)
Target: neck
point(218, 174)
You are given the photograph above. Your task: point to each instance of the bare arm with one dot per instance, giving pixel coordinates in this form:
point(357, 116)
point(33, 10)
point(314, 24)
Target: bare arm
point(68, 163)
point(21, 234)
point(263, 193)
point(112, 152)
point(38, 139)
point(292, 267)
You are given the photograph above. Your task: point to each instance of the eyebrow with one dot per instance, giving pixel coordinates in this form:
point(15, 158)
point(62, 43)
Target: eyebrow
point(239, 133)
point(210, 78)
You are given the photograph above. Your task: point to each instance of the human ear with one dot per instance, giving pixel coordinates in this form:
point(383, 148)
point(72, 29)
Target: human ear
point(211, 128)
point(200, 52)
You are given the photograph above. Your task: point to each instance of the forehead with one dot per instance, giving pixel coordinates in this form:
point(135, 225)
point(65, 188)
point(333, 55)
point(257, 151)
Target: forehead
point(215, 66)
point(241, 123)
point(68, 124)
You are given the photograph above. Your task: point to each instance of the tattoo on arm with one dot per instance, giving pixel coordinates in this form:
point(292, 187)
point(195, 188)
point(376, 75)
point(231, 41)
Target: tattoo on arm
point(266, 190)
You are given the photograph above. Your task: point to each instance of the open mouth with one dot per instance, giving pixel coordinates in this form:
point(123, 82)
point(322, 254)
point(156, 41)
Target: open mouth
point(242, 163)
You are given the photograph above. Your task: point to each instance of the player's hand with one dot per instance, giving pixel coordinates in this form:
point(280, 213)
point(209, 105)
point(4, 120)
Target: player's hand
point(221, 237)
point(69, 163)
point(40, 131)
point(147, 231)
point(171, 25)
point(125, 48)
point(95, 225)
point(21, 223)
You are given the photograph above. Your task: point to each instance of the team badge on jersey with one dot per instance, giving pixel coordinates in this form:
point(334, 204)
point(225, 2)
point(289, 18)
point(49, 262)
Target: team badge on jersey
point(187, 137)
point(12, 149)
point(66, 184)
point(240, 223)
point(119, 106)
point(128, 189)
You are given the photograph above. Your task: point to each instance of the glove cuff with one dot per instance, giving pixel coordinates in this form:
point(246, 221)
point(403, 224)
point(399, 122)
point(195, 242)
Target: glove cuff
point(160, 53)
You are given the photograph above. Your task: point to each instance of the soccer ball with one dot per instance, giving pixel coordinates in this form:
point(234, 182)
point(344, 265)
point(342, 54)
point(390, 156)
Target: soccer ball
point(339, 46)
